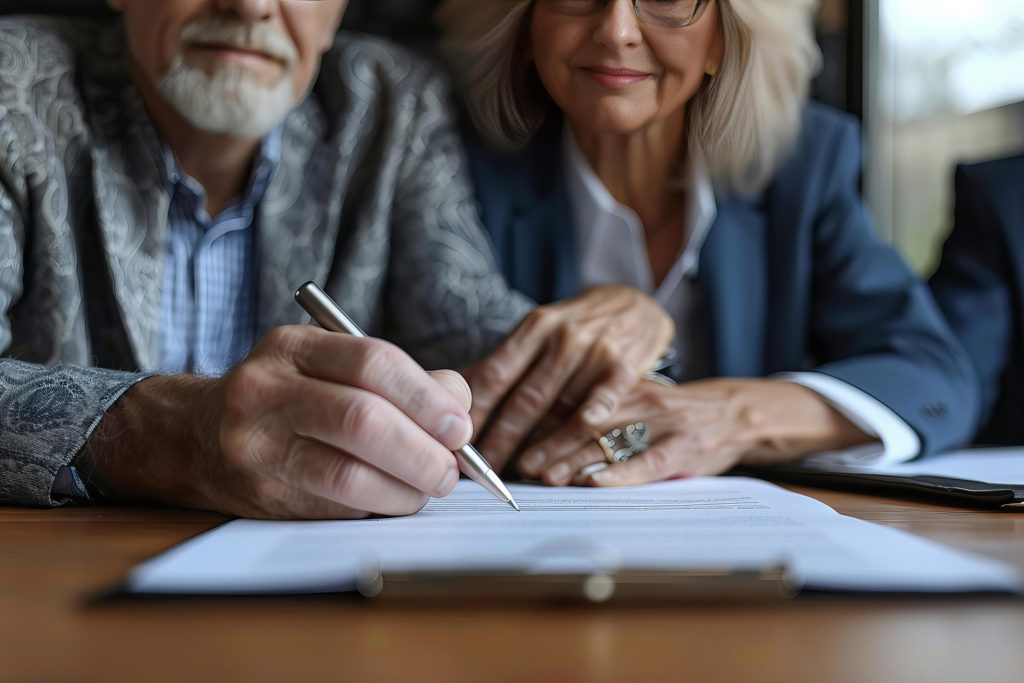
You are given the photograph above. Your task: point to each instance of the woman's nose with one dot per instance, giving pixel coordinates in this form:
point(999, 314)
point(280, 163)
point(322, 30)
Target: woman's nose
point(618, 26)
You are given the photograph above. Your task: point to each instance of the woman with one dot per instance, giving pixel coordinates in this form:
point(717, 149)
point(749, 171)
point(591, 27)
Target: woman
point(668, 145)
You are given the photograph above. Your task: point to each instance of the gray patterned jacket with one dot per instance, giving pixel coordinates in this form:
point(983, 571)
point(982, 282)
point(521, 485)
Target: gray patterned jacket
point(370, 199)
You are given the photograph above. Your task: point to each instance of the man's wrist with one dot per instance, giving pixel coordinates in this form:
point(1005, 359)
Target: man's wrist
point(153, 443)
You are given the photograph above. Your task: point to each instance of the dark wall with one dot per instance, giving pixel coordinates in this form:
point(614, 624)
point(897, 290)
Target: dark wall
point(71, 7)
point(411, 22)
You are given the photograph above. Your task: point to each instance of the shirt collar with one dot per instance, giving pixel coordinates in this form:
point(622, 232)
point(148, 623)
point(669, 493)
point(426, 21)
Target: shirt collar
point(594, 205)
point(266, 160)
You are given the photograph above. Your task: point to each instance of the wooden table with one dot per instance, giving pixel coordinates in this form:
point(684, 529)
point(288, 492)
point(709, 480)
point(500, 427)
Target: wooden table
point(51, 560)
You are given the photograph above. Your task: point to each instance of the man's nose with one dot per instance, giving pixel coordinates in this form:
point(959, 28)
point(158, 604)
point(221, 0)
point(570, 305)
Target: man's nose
point(250, 10)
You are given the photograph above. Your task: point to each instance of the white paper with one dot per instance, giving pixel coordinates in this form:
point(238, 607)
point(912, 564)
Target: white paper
point(714, 523)
point(993, 465)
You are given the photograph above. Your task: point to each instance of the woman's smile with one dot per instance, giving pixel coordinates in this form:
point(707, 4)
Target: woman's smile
point(611, 77)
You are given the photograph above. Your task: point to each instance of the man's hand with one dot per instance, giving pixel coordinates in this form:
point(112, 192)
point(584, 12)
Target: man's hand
point(576, 357)
point(313, 424)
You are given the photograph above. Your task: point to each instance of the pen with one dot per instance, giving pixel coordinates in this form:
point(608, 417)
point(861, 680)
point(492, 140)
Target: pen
point(330, 317)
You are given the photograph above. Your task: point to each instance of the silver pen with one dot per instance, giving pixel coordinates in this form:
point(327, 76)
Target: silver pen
point(329, 315)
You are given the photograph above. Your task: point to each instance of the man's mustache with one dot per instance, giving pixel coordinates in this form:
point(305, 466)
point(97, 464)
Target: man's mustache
point(235, 33)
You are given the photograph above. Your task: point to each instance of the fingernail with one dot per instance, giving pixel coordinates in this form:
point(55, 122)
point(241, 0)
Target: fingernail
point(559, 474)
point(603, 478)
point(448, 484)
point(534, 460)
point(595, 414)
point(455, 431)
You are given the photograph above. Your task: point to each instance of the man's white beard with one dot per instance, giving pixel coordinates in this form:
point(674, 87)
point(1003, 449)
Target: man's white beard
point(230, 101)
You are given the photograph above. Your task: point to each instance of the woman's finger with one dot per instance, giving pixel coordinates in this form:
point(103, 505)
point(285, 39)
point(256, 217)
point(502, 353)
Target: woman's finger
point(533, 397)
point(563, 471)
point(671, 456)
point(605, 395)
point(493, 377)
point(571, 437)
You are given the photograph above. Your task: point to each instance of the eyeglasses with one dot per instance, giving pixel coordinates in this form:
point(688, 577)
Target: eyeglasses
point(662, 13)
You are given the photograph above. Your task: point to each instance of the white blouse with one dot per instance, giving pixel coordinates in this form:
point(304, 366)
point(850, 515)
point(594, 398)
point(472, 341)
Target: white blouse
point(613, 250)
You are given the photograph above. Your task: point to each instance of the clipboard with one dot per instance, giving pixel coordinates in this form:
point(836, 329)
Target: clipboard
point(654, 587)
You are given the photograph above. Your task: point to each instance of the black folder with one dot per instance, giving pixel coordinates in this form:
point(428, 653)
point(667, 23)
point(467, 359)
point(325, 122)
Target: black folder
point(936, 489)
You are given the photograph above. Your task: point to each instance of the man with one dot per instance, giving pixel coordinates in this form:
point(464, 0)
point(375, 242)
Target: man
point(165, 184)
point(167, 181)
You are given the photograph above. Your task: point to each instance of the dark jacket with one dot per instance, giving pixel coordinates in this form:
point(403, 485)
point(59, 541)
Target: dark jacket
point(795, 278)
point(980, 286)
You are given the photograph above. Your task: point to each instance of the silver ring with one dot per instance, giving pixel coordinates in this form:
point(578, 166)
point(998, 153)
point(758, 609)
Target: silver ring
point(619, 445)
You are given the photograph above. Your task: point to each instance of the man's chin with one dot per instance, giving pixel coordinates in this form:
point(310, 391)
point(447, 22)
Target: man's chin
point(230, 102)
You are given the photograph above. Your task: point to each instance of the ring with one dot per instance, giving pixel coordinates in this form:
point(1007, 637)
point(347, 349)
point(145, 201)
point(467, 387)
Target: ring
point(619, 445)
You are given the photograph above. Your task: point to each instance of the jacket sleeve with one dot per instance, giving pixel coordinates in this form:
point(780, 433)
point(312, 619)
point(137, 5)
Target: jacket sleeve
point(447, 302)
point(972, 286)
point(878, 320)
point(46, 412)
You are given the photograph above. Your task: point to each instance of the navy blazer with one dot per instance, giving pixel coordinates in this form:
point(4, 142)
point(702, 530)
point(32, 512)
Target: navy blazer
point(794, 278)
point(980, 286)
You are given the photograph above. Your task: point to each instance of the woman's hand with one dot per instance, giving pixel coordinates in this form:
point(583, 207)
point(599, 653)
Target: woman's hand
point(697, 429)
point(578, 356)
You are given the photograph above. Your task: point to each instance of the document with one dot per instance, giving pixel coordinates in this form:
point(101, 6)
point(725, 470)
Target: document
point(993, 465)
point(717, 523)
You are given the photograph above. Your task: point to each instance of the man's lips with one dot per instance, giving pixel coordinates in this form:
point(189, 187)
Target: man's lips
point(613, 77)
point(238, 52)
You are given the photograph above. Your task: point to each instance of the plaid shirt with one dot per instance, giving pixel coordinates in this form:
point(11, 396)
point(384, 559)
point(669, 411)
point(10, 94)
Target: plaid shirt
point(208, 321)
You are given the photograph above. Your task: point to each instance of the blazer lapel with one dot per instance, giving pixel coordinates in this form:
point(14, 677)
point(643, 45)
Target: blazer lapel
point(539, 234)
point(131, 205)
point(298, 219)
point(542, 263)
point(732, 275)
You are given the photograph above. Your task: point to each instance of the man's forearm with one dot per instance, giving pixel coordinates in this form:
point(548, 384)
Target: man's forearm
point(152, 444)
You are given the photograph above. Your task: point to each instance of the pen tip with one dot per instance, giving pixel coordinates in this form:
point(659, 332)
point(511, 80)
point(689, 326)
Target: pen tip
point(513, 502)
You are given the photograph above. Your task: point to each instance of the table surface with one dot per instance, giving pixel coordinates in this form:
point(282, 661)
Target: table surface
point(52, 561)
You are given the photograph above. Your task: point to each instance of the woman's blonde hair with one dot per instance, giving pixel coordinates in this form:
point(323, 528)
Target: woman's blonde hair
point(740, 121)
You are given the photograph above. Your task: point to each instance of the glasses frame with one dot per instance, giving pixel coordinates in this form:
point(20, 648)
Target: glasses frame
point(698, 12)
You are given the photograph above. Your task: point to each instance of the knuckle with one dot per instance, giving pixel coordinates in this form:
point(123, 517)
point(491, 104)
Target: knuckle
point(361, 424)
point(267, 489)
point(606, 351)
point(541, 317)
point(247, 384)
point(344, 479)
point(530, 400)
point(432, 467)
point(572, 334)
point(658, 462)
point(701, 443)
point(375, 361)
point(290, 340)
point(490, 375)
point(661, 402)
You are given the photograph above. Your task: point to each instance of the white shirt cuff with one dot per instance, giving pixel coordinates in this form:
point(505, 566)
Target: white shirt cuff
point(897, 442)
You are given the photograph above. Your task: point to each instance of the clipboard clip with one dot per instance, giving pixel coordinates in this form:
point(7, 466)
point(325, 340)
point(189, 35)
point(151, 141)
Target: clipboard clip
point(632, 586)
